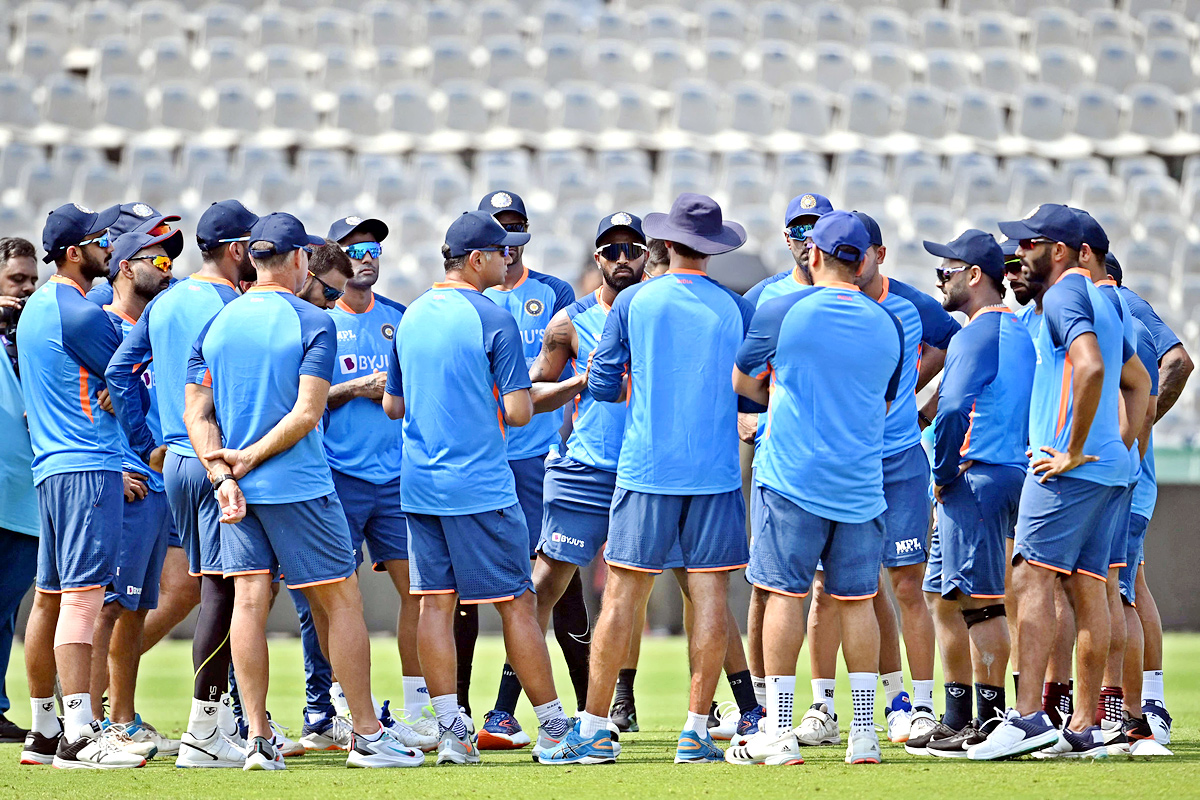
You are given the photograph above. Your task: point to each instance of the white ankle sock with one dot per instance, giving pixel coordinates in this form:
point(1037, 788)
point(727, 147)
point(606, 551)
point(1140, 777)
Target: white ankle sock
point(893, 685)
point(445, 706)
point(77, 714)
point(781, 698)
point(416, 696)
point(590, 724)
point(823, 689)
point(45, 720)
point(922, 694)
point(862, 693)
point(697, 722)
point(760, 690)
point(339, 700)
point(202, 722)
point(226, 719)
point(1152, 687)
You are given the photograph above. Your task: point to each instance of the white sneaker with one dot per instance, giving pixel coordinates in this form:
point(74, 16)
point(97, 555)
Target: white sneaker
point(863, 748)
point(286, 747)
point(818, 727)
point(118, 733)
point(141, 731)
point(386, 751)
point(336, 736)
point(407, 735)
point(263, 755)
point(761, 749)
point(729, 714)
point(921, 723)
point(215, 751)
point(1015, 736)
point(424, 726)
point(452, 750)
point(1160, 722)
point(102, 752)
point(899, 725)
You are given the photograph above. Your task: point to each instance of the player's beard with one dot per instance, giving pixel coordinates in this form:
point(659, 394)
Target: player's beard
point(93, 267)
point(956, 295)
point(245, 269)
point(619, 283)
point(1037, 270)
point(802, 264)
point(147, 284)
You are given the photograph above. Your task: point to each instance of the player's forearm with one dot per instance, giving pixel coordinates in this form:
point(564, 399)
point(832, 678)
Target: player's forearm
point(549, 396)
point(1147, 426)
point(932, 361)
point(295, 425)
point(199, 418)
point(1086, 384)
point(1173, 375)
point(605, 383)
point(343, 393)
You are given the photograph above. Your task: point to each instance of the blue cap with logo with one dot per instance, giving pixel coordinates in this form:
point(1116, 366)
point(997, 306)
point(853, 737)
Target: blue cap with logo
point(128, 245)
point(806, 205)
point(71, 224)
point(136, 216)
point(345, 226)
point(1114, 268)
point(973, 247)
point(842, 235)
point(478, 230)
point(621, 219)
point(285, 234)
point(1093, 234)
point(872, 227)
point(1052, 221)
point(223, 222)
point(495, 202)
point(1009, 248)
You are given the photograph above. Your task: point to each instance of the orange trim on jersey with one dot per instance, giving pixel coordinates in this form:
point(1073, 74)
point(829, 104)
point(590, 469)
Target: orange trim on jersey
point(113, 309)
point(1076, 271)
point(269, 287)
point(986, 596)
point(799, 276)
point(966, 445)
point(431, 591)
point(850, 287)
point(1118, 565)
point(244, 573)
point(633, 568)
point(499, 410)
point(685, 271)
point(989, 309)
point(208, 279)
point(65, 591)
point(524, 275)
point(779, 591)
point(1064, 394)
point(207, 379)
point(85, 400)
point(1106, 282)
point(344, 306)
point(856, 597)
point(730, 568)
point(886, 286)
point(1050, 567)
point(504, 599)
point(1101, 578)
point(454, 285)
point(67, 282)
point(600, 300)
point(316, 583)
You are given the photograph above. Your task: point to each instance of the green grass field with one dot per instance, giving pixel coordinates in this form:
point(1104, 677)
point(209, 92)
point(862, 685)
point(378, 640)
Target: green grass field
point(645, 769)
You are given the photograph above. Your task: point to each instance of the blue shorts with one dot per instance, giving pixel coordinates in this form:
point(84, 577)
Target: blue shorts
point(788, 541)
point(1116, 516)
point(530, 475)
point(1134, 557)
point(374, 516)
point(1060, 525)
point(484, 557)
point(575, 515)
point(80, 540)
point(708, 529)
point(906, 478)
point(932, 581)
point(144, 531)
point(306, 542)
point(173, 537)
point(977, 510)
point(196, 511)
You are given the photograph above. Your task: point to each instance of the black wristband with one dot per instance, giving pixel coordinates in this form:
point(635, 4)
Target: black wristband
point(221, 480)
point(921, 416)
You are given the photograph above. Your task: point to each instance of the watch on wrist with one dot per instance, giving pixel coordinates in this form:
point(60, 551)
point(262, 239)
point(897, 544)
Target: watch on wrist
point(926, 421)
point(217, 483)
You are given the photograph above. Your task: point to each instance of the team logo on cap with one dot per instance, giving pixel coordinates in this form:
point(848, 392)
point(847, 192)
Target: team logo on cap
point(534, 307)
point(354, 220)
point(620, 218)
point(388, 330)
point(808, 201)
point(142, 210)
point(83, 208)
point(501, 200)
point(1033, 213)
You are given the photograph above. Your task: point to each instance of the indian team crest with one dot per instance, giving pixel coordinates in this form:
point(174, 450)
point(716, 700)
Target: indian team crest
point(534, 307)
point(82, 208)
point(620, 218)
point(142, 210)
point(356, 221)
point(501, 200)
point(808, 201)
point(388, 330)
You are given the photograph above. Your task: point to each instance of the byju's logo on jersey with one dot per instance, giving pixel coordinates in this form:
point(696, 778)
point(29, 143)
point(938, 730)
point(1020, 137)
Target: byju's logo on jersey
point(534, 307)
point(349, 364)
point(564, 539)
point(388, 330)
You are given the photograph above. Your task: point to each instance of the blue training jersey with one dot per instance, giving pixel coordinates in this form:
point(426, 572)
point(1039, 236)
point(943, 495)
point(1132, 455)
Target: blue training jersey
point(252, 354)
point(1108, 288)
point(360, 440)
point(597, 428)
point(164, 334)
point(533, 302)
point(132, 461)
point(925, 324)
point(65, 345)
point(18, 497)
point(778, 285)
point(1145, 490)
point(983, 401)
point(1071, 307)
point(1164, 338)
point(455, 355)
point(676, 336)
point(823, 447)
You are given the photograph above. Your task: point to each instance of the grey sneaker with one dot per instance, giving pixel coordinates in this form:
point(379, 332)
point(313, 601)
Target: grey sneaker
point(453, 750)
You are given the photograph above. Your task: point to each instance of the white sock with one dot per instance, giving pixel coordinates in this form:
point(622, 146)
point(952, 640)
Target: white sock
point(549, 712)
point(45, 720)
point(1152, 687)
point(416, 696)
point(77, 714)
point(893, 685)
point(202, 722)
point(862, 693)
point(822, 689)
point(445, 706)
point(760, 690)
point(590, 724)
point(781, 697)
point(697, 722)
point(339, 700)
point(923, 694)
point(226, 720)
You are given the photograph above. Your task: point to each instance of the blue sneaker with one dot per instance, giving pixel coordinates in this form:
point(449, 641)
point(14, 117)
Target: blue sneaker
point(748, 725)
point(1087, 744)
point(1015, 736)
point(501, 731)
point(696, 749)
point(575, 749)
point(899, 718)
point(1160, 722)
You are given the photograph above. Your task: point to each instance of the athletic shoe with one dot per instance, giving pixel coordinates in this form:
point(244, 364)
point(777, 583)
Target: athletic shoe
point(386, 751)
point(467, 721)
point(545, 742)
point(818, 727)
point(899, 718)
point(921, 722)
point(101, 752)
point(11, 732)
point(1115, 740)
point(761, 750)
point(728, 716)
point(404, 733)
point(215, 751)
point(120, 732)
point(575, 749)
point(623, 715)
point(263, 755)
point(863, 748)
point(1016, 736)
point(1088, 744)
point(141, 731)
point(749, 725)
point(453, 750)
point(287, 748)
point(956, 746)
point(694, 749)
point(919, 745)
point(38, 749)
point(501, 731)
point(426, 726)
point(714, 715)
point(331, 733)
point(1160, 722)
point(1136, 730)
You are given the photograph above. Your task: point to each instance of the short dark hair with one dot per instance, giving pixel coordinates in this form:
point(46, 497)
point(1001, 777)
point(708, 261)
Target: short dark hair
point(270, 262)
point(657, 252)
point(998, 283)
point(452, 262)
point(841, 262)
point(16, 247)
point(686, 252)
point(330, 257)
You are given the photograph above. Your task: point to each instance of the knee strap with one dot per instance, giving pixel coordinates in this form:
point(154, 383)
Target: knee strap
point(974, 616)
point(77, 612)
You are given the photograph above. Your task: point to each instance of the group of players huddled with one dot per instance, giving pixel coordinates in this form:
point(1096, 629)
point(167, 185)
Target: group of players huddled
point(254, 424)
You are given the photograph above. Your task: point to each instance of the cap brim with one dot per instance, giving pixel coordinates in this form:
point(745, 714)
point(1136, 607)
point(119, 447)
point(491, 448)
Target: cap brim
point(376, 227)
point(732, 236)
point(639, 234)
point(513, 239)
point(802, 215)
point(314, 241)
point(940, 250)
point(104, 219)
point(1018, 230)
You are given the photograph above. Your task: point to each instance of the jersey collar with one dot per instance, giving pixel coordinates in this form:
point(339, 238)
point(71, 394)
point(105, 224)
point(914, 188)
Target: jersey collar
point(270, 287)
point(688, 272)
point(113, 310)
point(524, 275)
point(344, 306)
point(454, 285)
point(798, 276)
point(209, 279)
point(1107, 282)
point(987, 309)
point(600, 300)
point(1076, 271)
point(850, 287)
point(67, 282)
point(886, 285)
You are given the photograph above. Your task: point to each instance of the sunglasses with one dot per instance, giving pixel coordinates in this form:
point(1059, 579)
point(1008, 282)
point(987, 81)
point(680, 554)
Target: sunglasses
point(360, 251)
point(1012, 265)
point(1029, 244)
point(797, 232)
point(516, 227)
point(332, 295)
point(162, 262)
point(504, 250)
point(613, 252)
point(101, 240)
point(943, 275)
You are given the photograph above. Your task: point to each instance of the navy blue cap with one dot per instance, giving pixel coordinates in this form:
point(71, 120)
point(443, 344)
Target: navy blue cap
point(284, 232)
point(127, 245)
point(1009, 248)
point(478, 230)
point(806, 205)
point(345, 226)
point(135, 216)
point(621, 219)
point(495, 202)
point(872, 227)
point(842, 235)
point(70, 224)
point(974, 247)
point(1054, 221)
point(1114, 268)
point(1092, 232)
point(222, 222)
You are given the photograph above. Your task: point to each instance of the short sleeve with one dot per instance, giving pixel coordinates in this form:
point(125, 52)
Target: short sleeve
point(937, 326)
point(1067, 311)
point(395, 380)
point(319, 335)
point(1164, 338)
point(88, 334)
point(758, 348)
point(564, 296)
point(502, 341)
point(611, 356)
point(1147, 353)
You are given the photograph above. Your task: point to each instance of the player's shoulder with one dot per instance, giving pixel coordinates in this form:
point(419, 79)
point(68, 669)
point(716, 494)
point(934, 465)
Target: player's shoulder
point(555, 283)
point(585, 303)
point(390, 304)
point(754, 293)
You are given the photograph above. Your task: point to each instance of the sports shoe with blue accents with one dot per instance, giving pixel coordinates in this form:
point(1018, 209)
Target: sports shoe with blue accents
point(501, 731)
point(899, 718)
point(1016, 736)
point(1160, 721)
point(747, 726)
point(1087, 744)
point(575, 749)
point(694, 748)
